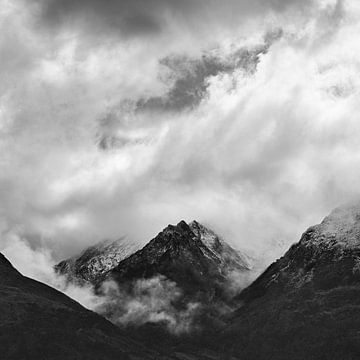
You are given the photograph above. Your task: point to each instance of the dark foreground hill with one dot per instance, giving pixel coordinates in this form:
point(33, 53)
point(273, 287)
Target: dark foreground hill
point(306, 305)
point(37, 322)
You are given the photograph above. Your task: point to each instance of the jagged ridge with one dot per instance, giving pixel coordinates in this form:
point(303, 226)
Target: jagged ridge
point(192, 256)
point(39, 322)
point(306, 305)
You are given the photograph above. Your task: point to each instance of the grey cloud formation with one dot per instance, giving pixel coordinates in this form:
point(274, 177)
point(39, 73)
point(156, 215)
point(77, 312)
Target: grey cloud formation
point(154, 300)
point(123, 18)
point(188, 79)
point(259, 155)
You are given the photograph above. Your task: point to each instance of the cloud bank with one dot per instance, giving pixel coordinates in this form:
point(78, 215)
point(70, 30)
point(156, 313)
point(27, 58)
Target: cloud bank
point(120, 118)
point(148, 301)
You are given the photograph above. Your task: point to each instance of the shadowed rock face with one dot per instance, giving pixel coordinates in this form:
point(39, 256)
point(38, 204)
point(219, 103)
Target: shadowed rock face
point(192, 256)
point(187, 270)
point(38, 322)
point(306, 305)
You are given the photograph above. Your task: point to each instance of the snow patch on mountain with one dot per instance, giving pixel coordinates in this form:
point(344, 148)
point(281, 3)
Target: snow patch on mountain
point(94, 262)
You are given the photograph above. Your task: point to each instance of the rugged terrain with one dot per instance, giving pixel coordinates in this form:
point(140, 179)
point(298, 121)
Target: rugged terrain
point(182, 280)
point(192, 256)
point(96, 261)
point(38, 322)
point(306, 305)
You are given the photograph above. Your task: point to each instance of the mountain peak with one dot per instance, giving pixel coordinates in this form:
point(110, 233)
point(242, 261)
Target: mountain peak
point(208, 236)
point(181, 227)
point(188, 254)
point(340, 228)
point(326, 257)
point(307, 297)
point(191, 255)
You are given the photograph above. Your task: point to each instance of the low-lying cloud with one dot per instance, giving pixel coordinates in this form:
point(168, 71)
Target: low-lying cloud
point(156, 300)
point(39, 265)
point(144, 301)
point(148, 301)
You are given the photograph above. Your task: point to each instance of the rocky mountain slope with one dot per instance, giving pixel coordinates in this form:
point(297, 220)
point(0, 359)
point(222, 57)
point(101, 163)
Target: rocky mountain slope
point(38, 322)
point(306, 305)
point(181, 281)
point(96, 261)
point(192, 256)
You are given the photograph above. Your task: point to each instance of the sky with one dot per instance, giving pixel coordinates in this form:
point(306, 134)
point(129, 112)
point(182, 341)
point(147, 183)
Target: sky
point(120, 117)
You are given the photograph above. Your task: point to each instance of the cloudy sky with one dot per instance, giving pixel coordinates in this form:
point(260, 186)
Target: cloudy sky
point(118, 117)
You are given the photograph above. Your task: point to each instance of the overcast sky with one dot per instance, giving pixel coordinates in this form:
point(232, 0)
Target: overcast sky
point(121, 116)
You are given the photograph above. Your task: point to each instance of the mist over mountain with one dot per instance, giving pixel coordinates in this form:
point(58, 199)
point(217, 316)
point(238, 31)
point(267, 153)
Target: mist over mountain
point(187, 270)
point(94, 262)
point(39, 322)
point(118, 117)
point(306, 304)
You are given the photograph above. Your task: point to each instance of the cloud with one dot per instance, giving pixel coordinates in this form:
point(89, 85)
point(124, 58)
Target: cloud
point(131, 18)
point(259, 155)
point(38, 264)
point(148, 301)
point(145, 301)
point(157, 300)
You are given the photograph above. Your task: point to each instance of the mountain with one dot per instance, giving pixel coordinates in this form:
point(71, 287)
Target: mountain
point(38, 322)
point(191, 255)
point(94, 262)
point(177, 289)
point(182, 281)
point(191, 260)
point(306, 305)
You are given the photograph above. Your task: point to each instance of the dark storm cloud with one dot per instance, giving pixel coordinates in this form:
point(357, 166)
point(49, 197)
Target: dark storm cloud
point(139, 17)
point(191, 75)
point(125, 17)
point(189, 83)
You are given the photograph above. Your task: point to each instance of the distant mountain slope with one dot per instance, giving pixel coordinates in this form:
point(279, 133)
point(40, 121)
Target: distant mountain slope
point(306, 305)
point(192, 256)
point(38, 322)
point(94, 262)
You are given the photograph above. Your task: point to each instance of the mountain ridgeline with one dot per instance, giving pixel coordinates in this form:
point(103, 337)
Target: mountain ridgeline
point(96, 261)
point(191, 255)
point(39, 322)
point(305, 305)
